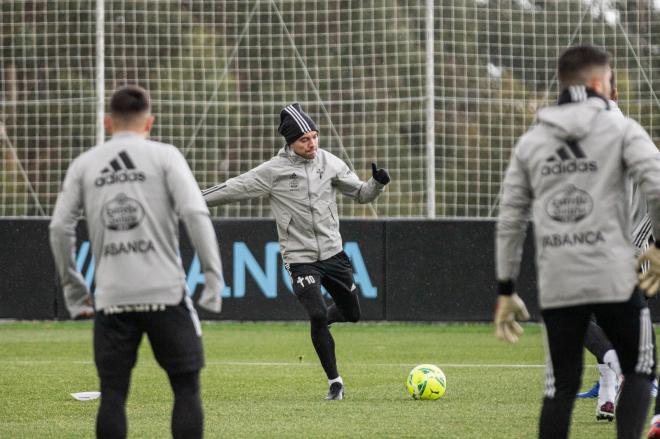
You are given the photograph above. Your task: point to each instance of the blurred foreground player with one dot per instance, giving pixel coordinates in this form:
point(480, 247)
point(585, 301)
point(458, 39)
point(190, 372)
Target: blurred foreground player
point(595, 340)
point(570, 172)
point(133, 192)
point(301, 182)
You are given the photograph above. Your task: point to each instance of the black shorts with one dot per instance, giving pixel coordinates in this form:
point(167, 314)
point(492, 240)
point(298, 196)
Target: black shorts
point(174, 333)
point(335, 274)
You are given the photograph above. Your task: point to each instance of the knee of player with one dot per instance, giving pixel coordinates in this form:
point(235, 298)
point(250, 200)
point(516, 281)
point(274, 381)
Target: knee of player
point(318, 318)
point(567, 389)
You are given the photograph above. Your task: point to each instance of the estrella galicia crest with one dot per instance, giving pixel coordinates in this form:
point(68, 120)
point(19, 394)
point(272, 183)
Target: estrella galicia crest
point(569, 205)
point(122, 213)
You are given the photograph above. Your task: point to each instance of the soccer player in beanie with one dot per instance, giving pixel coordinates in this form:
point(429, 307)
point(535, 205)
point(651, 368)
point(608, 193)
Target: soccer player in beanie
point(584, 255)
point(133, 193)
point(302, 181)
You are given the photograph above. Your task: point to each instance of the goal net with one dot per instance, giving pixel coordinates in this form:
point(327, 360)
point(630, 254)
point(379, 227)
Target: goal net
point(496, 66)
point(220, 71)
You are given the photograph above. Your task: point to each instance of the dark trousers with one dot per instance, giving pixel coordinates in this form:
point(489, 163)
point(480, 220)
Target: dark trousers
point(175, 336)
point(628, 327)
point(336, 275)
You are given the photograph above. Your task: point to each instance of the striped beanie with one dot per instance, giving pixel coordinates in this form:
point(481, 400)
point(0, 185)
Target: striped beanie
point(294, 123)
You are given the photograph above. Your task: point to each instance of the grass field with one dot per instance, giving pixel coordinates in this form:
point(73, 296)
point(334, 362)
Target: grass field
point(264, 380)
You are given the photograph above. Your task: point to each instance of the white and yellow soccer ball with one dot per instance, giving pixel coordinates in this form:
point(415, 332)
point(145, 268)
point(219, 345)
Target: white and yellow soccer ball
point(426, 381)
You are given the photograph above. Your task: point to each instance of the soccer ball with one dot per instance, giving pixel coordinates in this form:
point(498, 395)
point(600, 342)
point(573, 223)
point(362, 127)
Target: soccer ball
point(426, 381)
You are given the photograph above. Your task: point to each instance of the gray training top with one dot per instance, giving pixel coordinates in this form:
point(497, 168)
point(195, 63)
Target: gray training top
point(570, 171)
point(303, 198)
point(133, 192)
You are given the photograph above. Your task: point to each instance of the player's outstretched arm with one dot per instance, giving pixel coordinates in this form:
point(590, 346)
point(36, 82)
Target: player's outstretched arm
point(253, 184)
point(642, 161)
point(363, 192)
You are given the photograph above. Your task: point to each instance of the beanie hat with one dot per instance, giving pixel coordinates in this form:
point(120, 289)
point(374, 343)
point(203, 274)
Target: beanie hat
point(294, 123)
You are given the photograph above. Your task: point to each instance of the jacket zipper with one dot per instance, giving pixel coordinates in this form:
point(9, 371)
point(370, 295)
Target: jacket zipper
point(309, 198)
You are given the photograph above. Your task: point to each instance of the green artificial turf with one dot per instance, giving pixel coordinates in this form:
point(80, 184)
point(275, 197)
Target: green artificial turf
point(263, 380)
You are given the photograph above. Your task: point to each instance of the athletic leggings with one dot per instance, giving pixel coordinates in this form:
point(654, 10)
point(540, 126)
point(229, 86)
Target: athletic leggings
point(187, 417)
point(336, 275)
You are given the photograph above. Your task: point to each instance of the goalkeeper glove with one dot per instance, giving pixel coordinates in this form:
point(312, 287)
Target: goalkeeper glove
point(649, 280)
point(379, 174)
point(211, 297)
point(508, 309)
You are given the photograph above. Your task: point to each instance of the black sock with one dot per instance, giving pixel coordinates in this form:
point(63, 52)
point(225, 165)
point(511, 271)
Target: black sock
point(111, 418)
point(324, 345)
point(187, 414)
point(633, 406)
point(313, 302)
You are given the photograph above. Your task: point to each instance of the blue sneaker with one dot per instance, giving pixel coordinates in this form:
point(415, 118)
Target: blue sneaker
point(591, 393)
point(654, 388)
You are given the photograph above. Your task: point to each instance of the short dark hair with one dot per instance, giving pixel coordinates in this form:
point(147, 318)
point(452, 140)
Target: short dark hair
point(576, 62)
point(129, 100)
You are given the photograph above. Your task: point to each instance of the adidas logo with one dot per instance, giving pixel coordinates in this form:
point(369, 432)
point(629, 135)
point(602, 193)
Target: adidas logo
point(568, 159)
point(121, 170)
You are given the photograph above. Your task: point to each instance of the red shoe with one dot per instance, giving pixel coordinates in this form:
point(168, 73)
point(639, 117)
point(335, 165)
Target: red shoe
point(654, 432)
point(606, 411)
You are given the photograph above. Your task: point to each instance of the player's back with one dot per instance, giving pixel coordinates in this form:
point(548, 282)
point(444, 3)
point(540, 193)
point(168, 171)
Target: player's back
point(132, 220)
point(576, 169)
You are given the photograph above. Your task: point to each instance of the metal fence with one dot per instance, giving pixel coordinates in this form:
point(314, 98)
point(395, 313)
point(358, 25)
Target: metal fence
point(437, 92)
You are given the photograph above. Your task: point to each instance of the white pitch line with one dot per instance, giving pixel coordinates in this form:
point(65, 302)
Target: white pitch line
point(28, 362)
point(308, 363)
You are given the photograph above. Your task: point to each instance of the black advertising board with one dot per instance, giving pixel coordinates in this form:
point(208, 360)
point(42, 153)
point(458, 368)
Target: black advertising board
point(27, 277)
point(445, 271)
point(405, 270)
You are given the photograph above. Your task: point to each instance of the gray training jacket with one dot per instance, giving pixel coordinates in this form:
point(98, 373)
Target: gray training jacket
point(570, 171)
point(303, 198)
point(132, 192)
point(642, 228)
